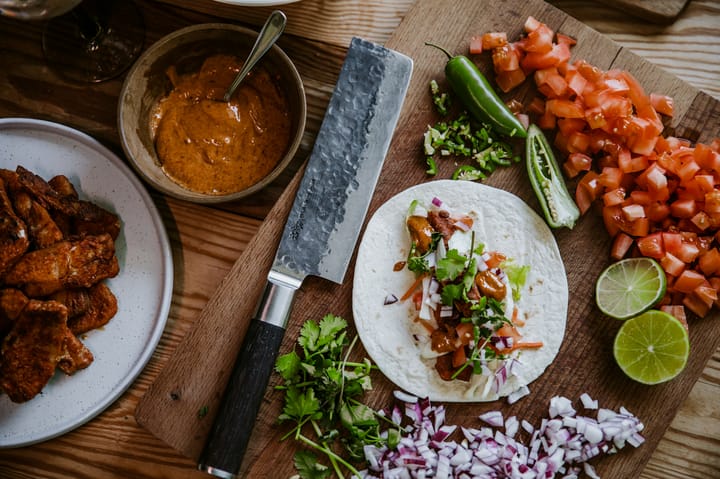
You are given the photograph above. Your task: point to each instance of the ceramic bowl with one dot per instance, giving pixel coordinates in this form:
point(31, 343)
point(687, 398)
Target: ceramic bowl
point(186, 49)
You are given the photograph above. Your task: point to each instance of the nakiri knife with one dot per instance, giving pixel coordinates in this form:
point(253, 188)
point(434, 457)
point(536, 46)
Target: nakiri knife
point(320, 234)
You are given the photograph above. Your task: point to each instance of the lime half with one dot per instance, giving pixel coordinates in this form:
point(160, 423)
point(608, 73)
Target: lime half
point(652, 348)
point(630, 287)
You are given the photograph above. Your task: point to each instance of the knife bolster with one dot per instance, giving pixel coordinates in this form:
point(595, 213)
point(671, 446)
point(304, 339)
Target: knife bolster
point(277, 299)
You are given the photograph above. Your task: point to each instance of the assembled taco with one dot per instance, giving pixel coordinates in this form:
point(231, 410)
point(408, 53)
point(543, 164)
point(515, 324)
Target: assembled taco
point(460, 293)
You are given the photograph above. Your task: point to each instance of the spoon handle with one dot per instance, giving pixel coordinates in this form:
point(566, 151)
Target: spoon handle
point(270, 32)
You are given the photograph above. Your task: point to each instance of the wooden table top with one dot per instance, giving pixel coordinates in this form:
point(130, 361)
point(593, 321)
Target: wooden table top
point(112, 445)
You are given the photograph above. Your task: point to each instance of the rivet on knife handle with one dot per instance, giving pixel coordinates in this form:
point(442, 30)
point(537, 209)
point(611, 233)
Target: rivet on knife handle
point(321, 231)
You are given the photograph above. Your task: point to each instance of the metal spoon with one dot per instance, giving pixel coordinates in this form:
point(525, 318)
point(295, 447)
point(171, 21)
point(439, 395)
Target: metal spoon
point(274, 26)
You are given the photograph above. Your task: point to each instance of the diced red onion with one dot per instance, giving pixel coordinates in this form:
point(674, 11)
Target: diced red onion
point(437, 202)
point(493, 418)
point(588, 402)
point(462, 226)
point(390, 299)
point(405, 397)
point(557, 447)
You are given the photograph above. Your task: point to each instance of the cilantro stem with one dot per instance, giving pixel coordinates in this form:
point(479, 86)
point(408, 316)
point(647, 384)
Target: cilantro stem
point(327, 451)
point(344, 365)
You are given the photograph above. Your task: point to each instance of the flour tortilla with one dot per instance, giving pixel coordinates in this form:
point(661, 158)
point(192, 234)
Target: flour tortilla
point(504, 223)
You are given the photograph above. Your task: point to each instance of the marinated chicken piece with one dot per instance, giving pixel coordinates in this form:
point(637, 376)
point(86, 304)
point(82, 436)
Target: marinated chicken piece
point(14, 239)
point(12, 302)
point(420, 232)
point(42, 229)
point(87, 218)
point(63, 186)
point(491, 285)
point(76, 300)
point(32, 349)
point(75, 355)
point(103, 306)
point(68, 264)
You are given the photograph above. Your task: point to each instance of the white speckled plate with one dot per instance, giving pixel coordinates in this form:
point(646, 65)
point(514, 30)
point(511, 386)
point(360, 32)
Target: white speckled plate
point(143, 287)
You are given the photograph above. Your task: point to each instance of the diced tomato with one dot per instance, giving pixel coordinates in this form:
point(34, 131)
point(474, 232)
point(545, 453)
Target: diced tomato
point(611, 178)
point(581, 162)
point(709, 263)
point(672, 242)
point(576, 82)
point(507, 80)
point(562, 38)
point(677, 311)
point(688, 252)
point(633, 211)
point(547, 121)
point(475, 45)
point(662, 103)
point(706, 294)
point(537, 106)
point(536, 60)
point(683, 208)
point(614, 197)
point(672, 264)
point(620, 246)
point(583, 199)
point(694, 304)
point(701, 220)
point(651, 246)
point(459, 357)
point(659, 193)
point(712, 202)
point(505, 59)
point(596, 118)
point(551, 78)
point(688, 281)
point(495, 259)
point(531, 24)
point(565, 108)
point(540, 39)
point(657, 212)
point(492, 40)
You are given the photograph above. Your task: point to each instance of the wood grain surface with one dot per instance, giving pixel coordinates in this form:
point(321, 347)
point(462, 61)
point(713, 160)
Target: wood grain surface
point(113, 445)
point(663, 11)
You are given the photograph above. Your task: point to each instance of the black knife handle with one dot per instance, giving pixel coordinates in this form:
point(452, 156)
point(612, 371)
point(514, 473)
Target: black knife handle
point(230, 434)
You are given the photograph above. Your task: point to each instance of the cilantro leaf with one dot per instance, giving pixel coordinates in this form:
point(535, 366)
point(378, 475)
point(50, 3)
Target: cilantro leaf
point(330, 326)
point(300, 405)
point(450, 267)
point(308, 466)
point(288, 365)
point(450, 293)
point(309, 335)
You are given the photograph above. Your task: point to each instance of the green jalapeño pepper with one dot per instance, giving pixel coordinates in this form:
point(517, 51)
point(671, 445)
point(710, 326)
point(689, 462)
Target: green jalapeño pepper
point(547, 181)
point(478, 96)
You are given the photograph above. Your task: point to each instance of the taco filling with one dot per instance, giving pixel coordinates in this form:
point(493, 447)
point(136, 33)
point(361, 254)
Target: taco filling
point(464, 296)
point(459, 292)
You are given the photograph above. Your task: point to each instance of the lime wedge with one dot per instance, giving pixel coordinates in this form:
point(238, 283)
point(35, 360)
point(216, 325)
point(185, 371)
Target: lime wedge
point(652, 348)
point(630, 287)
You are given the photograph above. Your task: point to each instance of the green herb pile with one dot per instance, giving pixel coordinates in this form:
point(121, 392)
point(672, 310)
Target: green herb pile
point(323, 392)
point(465, 138)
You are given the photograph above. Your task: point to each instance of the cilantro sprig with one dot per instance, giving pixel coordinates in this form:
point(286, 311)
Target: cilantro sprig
point(323, 392)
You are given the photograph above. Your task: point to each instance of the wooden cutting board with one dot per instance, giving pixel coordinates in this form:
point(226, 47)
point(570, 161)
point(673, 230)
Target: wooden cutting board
point(195, 376)
point(656, 11)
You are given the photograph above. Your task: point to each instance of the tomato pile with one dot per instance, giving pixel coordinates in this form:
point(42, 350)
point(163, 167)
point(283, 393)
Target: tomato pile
point(660, 196)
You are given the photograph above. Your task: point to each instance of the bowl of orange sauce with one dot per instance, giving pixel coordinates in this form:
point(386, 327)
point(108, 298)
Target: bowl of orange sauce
point(184, 140)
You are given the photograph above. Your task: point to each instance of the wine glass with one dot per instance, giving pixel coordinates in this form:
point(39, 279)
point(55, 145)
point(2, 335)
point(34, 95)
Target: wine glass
point(85, 41)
